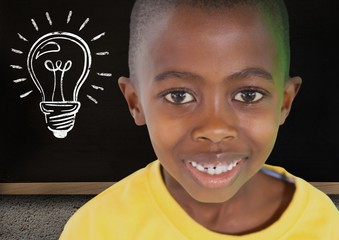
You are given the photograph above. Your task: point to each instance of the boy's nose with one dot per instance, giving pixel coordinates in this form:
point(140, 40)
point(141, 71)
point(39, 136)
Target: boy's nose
point(215, 126)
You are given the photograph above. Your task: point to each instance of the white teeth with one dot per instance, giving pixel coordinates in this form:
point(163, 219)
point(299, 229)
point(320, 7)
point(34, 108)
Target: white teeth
point(200, 168)
point(215, 170)
point(211, 171)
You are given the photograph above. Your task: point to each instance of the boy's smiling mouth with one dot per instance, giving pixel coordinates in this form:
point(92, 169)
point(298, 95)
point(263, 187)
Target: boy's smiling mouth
point(215, 170)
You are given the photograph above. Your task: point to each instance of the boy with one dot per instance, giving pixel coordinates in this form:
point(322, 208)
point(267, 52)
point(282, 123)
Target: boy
point(210, 79)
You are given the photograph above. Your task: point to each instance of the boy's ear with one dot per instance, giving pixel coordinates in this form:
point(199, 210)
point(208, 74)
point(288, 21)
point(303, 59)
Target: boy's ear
point(292, 87)
point(129, 91)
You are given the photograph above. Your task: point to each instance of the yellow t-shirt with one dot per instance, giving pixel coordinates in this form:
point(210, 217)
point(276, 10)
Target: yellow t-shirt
point(140, 207)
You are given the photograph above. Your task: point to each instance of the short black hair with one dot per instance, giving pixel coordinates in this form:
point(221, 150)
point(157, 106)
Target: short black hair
point(144, 12)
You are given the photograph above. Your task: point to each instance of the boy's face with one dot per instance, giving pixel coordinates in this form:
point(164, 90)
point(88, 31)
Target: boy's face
point(212, 93)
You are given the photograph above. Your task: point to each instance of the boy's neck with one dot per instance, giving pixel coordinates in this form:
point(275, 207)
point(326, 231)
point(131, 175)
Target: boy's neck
point(258, 204)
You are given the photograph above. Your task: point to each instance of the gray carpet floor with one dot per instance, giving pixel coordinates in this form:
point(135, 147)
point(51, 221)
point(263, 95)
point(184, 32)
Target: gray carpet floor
point(43, 217)
point(36, 217)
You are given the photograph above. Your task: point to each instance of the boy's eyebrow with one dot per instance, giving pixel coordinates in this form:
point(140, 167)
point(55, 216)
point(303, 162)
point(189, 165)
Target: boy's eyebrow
point(176, 74)
point(245, 73)
point(248, 72)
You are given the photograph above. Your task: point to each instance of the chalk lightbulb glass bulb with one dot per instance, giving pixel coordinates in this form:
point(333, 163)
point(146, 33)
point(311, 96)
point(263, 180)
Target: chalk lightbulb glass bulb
point(59, 64)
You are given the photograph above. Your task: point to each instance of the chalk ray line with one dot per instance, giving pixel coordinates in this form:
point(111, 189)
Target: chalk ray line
point(35, 25)
point(102, 53)
point(17, 51)
point(104, 74)
point(49, 19)
point(19, 80)
point(22, 37)
point(26, 94)
point(15, 66)
point(97, 87)
point(92, 99)
point(97, 37)
point(84, 24)
point(69, 16)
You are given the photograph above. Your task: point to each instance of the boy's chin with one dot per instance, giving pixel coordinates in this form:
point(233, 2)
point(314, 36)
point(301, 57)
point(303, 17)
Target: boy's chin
point(212, 197)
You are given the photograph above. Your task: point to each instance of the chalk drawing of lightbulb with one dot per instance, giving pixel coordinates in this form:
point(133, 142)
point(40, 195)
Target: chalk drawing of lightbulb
point(60, 112)
point(59, 63)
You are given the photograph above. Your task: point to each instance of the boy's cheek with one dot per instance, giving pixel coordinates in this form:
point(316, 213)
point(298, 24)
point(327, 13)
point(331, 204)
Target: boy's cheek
point(168, 137)
point(260, 134)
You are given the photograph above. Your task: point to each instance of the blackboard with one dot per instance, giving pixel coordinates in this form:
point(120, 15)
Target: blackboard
point(104, 145)
point(308, 142)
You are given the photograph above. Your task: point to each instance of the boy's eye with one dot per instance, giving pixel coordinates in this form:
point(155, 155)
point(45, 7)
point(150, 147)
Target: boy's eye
point(179, 97)
point(249, 96)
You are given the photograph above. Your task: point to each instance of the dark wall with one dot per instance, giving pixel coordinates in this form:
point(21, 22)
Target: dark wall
point(308, 142)
point(104, 144)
